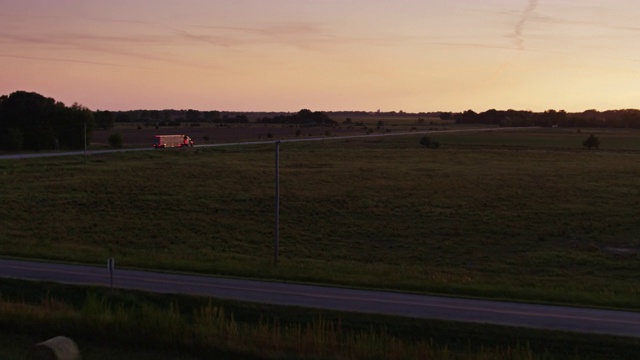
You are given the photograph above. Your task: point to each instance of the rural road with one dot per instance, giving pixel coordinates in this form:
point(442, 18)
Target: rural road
point(582, 320)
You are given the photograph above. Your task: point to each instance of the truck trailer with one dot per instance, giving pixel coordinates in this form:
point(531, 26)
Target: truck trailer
point(165, 141)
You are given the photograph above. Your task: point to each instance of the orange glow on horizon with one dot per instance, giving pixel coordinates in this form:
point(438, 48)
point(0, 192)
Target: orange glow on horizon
point(285, 55)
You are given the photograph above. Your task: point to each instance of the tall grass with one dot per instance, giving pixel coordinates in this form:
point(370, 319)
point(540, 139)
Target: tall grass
point(122, 324)
point(209, 331)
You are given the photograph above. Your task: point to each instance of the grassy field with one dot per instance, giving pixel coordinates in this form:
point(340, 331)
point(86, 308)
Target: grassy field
point(517, 215)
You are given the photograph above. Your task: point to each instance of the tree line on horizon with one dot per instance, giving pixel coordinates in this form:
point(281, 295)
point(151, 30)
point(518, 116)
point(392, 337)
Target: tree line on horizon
point(627, 118)
point(30, 121)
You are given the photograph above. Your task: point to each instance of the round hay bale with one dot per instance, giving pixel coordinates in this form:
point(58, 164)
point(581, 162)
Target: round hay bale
point(57, 348)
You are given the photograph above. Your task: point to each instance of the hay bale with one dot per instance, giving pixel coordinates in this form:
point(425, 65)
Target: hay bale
point(57, 348)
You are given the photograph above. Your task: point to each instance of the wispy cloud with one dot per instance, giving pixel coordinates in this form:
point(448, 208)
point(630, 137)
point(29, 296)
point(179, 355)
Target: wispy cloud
point(300, 35)
point(518, 31)
point(122, 21)
point(133, 39)
point(73, 61)
point(127, 46)
point(226, 41)
point(81, 39)
point(594, 23)
point(307, 36)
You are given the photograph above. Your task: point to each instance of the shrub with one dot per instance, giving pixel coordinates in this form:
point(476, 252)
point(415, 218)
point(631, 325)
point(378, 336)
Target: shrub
point(115, 140)
point(425, 141)
point(592, 141)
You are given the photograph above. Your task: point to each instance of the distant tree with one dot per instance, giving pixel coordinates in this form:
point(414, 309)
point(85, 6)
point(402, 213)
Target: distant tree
point(32, 114)
point(123, 118)
point(446, 115)
point(240, 118)
point(467, 117)
point(31, 121)
point(115, 141)
point(303, 117)
point(193, 115)
point(305, 113)
point(166, 115)
point(212, 116)
point(70, 124)
point(491, 117)
point(104, 119)
point(591, 142)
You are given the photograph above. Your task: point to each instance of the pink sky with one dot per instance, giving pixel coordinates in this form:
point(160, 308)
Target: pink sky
point(285, 55)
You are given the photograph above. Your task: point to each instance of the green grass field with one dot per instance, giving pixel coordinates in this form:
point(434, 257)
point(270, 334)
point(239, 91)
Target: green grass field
point(520, 215)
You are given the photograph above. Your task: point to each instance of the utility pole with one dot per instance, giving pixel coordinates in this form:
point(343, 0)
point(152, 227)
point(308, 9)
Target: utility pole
point(111, 264)
point(85, 142)
point(276, 241)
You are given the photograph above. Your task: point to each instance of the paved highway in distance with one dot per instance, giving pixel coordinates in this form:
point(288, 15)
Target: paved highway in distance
point(583, 320)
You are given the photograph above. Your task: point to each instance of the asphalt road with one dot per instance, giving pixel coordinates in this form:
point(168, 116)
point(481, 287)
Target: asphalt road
point(583, 320)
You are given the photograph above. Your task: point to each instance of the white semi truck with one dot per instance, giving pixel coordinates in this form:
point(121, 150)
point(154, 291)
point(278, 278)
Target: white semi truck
point(165, 141)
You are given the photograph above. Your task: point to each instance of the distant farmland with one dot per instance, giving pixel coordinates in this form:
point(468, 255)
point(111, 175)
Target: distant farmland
point(137, 135)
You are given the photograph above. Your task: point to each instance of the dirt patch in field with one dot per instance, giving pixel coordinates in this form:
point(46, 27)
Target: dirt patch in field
point(622, 251)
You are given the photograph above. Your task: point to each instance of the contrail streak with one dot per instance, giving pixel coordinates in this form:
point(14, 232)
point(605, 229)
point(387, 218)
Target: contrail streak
point(526, 14)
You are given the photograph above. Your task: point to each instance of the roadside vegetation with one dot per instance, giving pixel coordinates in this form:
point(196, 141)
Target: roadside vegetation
point(135, 325)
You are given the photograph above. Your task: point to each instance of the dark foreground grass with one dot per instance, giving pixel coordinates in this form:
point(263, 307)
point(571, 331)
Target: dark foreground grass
point(136, 325)
point(16, 347)
point(529, 216)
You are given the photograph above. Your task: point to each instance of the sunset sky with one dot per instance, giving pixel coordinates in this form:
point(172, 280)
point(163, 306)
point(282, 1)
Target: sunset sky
point(324, 55)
